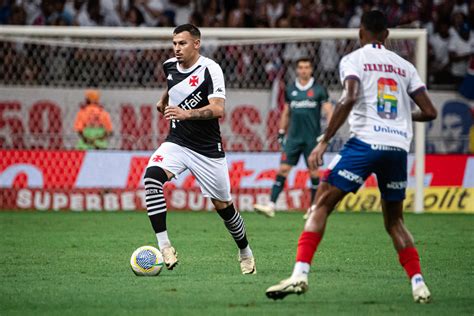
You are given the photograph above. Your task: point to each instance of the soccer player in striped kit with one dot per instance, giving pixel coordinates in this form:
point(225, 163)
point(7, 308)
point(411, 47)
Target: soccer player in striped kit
point(377, 88)
point(193, 103)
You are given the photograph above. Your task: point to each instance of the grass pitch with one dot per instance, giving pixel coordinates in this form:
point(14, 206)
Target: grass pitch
point(69, 264)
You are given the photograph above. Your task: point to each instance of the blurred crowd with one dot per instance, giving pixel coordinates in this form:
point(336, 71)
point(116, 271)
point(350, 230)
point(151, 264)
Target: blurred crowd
point(449, 22)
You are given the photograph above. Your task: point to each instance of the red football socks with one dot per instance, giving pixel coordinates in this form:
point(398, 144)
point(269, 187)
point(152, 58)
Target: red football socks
point(410, 261)
point(307, 245)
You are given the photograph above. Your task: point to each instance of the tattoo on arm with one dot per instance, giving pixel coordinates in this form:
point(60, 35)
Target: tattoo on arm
point(201, 114)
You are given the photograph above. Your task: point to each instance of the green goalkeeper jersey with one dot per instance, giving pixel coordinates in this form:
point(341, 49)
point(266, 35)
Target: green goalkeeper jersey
point(305, 110)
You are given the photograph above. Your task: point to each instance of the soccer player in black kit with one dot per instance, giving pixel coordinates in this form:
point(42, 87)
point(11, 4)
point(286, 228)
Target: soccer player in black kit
point(193, 103)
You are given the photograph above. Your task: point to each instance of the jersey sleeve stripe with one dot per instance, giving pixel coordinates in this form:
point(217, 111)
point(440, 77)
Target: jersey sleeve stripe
point(216, 95)
point(416, 91)
point(353, 77)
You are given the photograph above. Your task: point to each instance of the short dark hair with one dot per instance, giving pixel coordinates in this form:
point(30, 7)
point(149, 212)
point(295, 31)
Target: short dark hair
point(374, 21)
point(193, 30)
point(304, 60)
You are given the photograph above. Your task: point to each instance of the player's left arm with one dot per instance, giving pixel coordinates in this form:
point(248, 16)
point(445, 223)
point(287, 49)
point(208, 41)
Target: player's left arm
point(215, 109)
point(417, 91)
point(427, 110)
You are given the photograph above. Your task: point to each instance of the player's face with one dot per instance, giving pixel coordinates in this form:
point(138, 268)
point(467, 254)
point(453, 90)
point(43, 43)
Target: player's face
point(304, 70)
point(185, 47)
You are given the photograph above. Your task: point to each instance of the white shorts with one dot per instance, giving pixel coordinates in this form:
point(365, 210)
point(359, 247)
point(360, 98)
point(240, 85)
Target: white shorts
point(212, 174)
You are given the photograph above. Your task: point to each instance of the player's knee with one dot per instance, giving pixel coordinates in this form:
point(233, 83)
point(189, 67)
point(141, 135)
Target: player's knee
point(314, 173)
point(284, 170)
point(219, 205)
point(155, 173)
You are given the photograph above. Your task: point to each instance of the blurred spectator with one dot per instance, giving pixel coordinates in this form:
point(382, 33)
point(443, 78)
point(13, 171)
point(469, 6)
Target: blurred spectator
point(242, 15)
point(151, 10)
point(460, 47)
point(179, 11)
point(17, 16)
point(42, 12)
point(460, 7)
point(439, 66)
point(354, 21)
point(273, 10)
point(88, 13)
point(5, 10)
point(109, 11)
point(134, 17)
point(92, 124)
point(60, 16)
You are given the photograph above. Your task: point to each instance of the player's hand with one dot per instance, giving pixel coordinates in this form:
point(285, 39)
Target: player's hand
point(175, 113)
point(315, 159)
point(281, 139)
point(160, 107)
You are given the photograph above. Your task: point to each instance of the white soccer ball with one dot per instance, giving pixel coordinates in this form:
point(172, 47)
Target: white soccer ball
point(146, 261)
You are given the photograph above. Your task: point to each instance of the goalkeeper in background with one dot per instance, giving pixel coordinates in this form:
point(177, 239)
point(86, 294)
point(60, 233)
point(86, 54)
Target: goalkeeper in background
point(299, 127)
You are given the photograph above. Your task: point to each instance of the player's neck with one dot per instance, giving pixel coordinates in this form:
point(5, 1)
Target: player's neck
point(373, 42)
point(304, 82)
point(191, 63)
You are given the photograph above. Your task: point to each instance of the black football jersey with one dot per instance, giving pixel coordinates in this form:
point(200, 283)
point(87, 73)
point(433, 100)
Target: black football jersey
point(191, 89)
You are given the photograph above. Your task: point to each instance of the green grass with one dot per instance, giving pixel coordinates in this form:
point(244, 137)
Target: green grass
point(69, 263)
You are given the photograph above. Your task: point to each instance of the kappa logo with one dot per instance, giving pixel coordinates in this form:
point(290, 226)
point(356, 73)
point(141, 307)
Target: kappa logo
point(193, 81)
point(219, 90)
point(157, 158)
point(170, 77)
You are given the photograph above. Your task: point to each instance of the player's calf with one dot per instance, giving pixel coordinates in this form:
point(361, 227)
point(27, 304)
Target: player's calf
point(236, 228)
point(154, 179)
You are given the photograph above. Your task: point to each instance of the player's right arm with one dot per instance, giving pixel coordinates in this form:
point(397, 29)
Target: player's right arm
point(343, 108)
point(284, 121)
point(163, 102)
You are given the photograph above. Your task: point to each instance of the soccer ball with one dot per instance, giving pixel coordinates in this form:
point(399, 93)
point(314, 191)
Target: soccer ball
point(146, 261)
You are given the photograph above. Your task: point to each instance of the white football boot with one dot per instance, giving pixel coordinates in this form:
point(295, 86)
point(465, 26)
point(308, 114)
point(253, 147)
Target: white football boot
point(267, 210)
point(421, 293)
point(247, 265)
point(170, 257)
point(294, 285)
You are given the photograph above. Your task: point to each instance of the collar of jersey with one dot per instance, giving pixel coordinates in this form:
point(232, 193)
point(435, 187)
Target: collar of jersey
point(371, 45)
point(306, 86)
point(190, 69)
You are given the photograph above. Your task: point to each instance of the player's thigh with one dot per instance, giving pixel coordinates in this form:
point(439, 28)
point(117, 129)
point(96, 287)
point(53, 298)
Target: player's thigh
point(291, 152)
point(212, 175)
point(391, 172)
point(170, 157)
point(351, 167)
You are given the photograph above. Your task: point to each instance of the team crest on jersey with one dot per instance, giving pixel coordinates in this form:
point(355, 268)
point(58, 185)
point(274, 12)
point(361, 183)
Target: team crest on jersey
point(193, 81)
point(294, 93)
point(310, 93)
point(158, 158)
